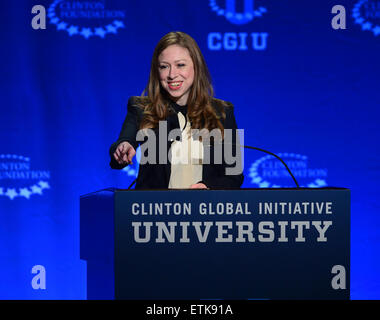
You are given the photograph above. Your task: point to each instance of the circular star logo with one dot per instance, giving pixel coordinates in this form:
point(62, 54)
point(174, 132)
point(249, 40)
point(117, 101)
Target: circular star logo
point(366, 13)
point(85, 18)
point(19, 180)
point(229, 11)
point(269, 172)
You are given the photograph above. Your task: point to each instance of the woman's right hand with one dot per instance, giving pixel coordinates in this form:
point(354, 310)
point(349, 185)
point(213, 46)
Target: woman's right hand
point(124, 153)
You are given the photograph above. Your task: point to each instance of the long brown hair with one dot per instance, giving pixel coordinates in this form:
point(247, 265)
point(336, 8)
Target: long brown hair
point(156, 100)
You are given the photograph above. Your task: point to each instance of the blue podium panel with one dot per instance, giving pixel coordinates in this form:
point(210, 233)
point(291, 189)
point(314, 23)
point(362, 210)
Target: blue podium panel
point(220, 244)
point(97, 243)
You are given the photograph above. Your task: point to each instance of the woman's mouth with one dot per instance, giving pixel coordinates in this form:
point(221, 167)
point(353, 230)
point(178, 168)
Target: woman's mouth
point(175, 85)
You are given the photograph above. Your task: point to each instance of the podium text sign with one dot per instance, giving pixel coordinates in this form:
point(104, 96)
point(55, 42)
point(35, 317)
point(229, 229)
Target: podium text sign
point(217, 244)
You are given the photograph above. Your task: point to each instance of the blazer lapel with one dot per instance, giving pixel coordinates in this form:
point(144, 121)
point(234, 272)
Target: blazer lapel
point(173, 123)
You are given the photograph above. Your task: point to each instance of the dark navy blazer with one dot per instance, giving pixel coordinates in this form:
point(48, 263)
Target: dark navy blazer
point(156, 176)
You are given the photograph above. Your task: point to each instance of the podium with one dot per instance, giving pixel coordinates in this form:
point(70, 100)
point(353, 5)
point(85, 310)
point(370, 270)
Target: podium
point(216, 244)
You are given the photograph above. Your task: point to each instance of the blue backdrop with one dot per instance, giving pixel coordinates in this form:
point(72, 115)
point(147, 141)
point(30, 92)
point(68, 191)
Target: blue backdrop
point(301, 89)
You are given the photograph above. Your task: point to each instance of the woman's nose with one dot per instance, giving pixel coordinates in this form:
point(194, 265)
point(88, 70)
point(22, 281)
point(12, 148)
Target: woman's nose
point(172, 73)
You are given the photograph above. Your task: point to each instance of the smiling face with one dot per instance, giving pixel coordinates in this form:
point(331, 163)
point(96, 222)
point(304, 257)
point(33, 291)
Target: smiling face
point(176, 71)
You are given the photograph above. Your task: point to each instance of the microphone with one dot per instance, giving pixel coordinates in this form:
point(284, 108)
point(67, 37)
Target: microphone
point(265, 151)
point(253, 148)
point(131, 185)
point(276, 156)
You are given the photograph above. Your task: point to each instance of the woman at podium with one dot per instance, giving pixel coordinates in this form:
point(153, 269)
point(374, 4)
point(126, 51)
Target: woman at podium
point(188, 138)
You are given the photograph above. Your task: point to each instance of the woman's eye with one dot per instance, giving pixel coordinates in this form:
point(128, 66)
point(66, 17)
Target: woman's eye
point(181, 65)
point(162, 67)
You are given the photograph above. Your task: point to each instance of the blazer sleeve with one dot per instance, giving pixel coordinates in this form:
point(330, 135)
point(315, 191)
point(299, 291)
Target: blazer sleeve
point(128, 130)
point(227, 180)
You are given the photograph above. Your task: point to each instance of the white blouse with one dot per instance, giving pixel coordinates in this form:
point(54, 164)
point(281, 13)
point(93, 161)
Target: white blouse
point(186, 158)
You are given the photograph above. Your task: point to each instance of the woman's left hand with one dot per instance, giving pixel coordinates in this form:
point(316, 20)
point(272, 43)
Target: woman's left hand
point(198, 186)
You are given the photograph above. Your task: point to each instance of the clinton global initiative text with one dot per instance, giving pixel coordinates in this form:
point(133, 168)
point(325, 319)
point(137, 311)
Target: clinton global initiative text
point(229, 208)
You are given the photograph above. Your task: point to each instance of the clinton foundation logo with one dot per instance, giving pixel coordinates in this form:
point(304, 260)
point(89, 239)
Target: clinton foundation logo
point(269, 172)
point(96, 18)
point(241, 13)
point(230, 11)
point(19, 179)
point(366, 13)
